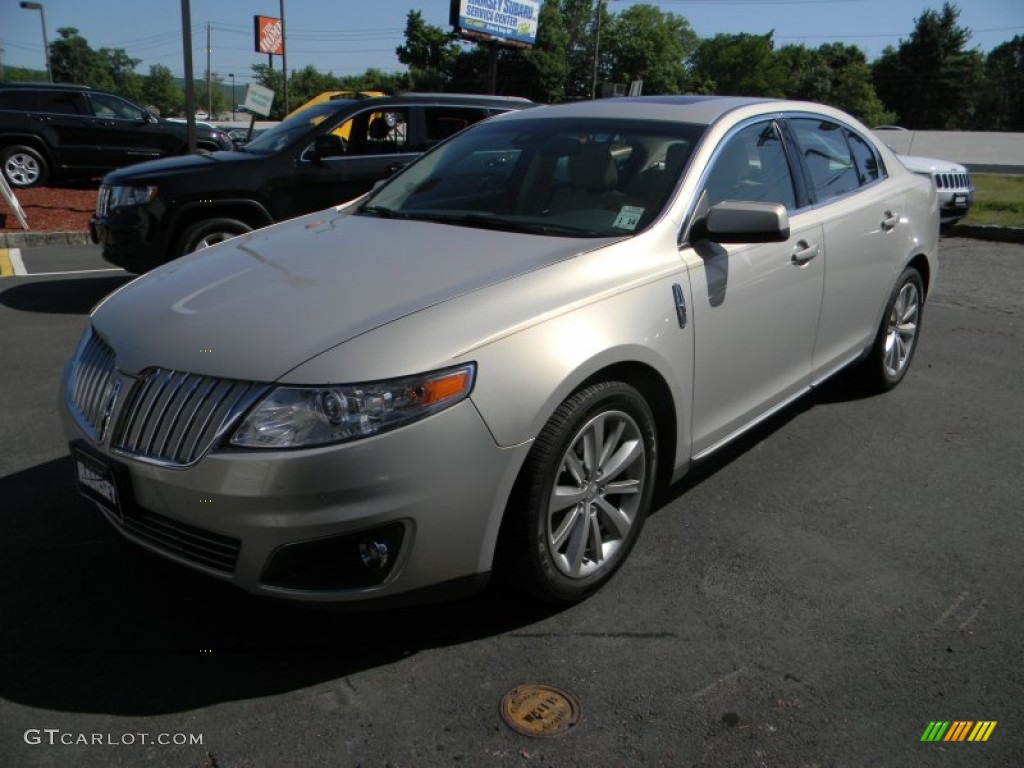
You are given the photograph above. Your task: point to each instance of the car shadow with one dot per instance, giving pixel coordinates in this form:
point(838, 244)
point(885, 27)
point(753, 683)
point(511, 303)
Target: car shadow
point(70, 296)
point(842, 388)
point(94, 624)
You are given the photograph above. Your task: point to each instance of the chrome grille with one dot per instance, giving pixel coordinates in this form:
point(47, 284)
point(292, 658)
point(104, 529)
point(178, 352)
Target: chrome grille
point(952, 180)
point(172, 417)
point(92, 378)
point(102, 200)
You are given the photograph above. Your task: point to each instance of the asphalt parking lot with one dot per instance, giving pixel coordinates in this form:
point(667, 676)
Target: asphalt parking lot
point(815, 595)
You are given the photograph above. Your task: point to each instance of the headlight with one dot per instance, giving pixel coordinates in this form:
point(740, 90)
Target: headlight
point(293, 417)
point(123, 197)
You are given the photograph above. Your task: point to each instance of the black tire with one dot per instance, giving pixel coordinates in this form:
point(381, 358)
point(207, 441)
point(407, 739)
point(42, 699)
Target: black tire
point(896, 341)
point(207, 232)
point(24, 167)
point(564, 553)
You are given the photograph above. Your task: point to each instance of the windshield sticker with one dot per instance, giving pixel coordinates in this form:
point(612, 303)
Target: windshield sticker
point(629, 217)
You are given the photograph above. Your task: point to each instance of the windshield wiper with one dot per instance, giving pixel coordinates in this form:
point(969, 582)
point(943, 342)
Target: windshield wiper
point(488, 221)
point(380, 210)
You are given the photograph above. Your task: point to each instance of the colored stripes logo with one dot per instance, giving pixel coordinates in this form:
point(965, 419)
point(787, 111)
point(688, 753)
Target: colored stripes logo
point(958, 730)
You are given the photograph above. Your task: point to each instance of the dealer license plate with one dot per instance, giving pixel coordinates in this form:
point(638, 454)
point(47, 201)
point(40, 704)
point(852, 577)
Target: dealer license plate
point(97, 481)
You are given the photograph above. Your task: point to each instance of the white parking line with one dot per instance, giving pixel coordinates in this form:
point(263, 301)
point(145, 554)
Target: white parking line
point(73, 272)
point(14, 254)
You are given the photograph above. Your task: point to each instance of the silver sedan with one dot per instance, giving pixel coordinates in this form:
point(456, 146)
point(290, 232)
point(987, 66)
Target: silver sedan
point(490, 363)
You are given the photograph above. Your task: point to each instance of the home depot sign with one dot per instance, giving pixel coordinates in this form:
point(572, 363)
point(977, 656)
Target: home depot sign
point(269, 35)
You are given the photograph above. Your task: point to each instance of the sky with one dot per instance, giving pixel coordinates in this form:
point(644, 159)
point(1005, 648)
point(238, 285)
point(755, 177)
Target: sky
point(347, 37)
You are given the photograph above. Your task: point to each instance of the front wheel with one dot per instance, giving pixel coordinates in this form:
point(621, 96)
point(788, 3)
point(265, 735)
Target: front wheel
point(584, 494)
point(209, 232)
point(896, 342)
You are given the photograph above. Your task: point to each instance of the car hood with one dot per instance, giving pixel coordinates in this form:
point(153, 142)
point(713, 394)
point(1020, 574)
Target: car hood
point(150, 170)
point(257, 306)
point(919, 164)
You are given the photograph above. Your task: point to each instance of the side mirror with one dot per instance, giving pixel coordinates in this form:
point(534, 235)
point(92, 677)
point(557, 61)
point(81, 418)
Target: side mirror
point(328, 145)
point(735, 221)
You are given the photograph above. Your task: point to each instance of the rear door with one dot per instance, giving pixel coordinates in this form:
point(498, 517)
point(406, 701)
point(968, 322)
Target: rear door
point(65, 117)
point(860, 210)
point(124, 132)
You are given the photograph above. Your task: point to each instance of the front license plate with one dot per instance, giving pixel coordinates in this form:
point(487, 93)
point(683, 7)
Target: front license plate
point(97, 481)
point(960, 200)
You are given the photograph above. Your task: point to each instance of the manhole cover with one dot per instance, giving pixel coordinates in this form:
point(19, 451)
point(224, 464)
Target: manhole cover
point(540, 710)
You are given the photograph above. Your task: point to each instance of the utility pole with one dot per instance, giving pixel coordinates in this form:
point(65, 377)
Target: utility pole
point(190, 84)
point(597, 50)
point(209, 77)
point(284, 61)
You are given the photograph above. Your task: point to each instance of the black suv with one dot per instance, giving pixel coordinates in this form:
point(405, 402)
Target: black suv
point(321, 156)
point(51, 131)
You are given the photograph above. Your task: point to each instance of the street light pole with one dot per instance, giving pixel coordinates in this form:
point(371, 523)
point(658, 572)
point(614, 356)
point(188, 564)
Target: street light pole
point(597, 50)
point(233, 102)
point(46, 47)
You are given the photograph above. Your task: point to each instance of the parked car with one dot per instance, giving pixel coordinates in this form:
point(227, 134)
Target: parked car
point(324, 155)
point(490, 362)
point(53, 131)
point(953, 182)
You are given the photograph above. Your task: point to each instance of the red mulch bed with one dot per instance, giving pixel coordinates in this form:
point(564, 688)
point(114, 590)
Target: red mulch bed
point(64, 208)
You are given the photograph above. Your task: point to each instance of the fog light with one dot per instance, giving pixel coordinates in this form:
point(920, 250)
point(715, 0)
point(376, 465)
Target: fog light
point(351, 561)
point(373, 553)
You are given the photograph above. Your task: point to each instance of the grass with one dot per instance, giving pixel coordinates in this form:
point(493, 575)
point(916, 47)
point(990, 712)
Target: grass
point(997, 200)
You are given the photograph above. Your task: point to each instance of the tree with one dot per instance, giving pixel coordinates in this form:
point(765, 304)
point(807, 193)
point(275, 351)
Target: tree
point(1003, 99)
point(932, 81)
point(161, 90)
point(737, 65)
point(429, 52)
point(73, 61)
point(643, 43)
point(834, 74)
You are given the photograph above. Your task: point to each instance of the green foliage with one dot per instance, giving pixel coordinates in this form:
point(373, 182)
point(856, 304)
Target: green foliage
point(931, 80)
point(833, 74)
point(737, 65)
point(643, 43)
point(160, 90)
point(429, 52)
point(1002, 102)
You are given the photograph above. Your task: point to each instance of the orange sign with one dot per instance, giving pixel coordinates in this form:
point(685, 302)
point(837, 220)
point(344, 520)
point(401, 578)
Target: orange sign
point(269, 35)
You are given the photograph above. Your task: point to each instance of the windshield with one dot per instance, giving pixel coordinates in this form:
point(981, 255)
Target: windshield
point(291, 130)
point(569, 176)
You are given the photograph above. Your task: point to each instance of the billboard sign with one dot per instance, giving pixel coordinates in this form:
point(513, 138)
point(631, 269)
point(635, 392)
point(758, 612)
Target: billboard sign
point(511, 20)
point(269, 35)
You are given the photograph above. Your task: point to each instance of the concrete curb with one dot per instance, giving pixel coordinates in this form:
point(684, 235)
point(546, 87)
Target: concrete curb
point(30, 239)
point(987, 232)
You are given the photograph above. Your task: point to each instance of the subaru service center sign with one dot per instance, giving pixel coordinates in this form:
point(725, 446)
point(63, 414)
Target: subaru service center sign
point(513, 20)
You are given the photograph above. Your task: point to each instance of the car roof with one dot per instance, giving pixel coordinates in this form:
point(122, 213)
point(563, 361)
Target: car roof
point(47, 86)
point(700, 110)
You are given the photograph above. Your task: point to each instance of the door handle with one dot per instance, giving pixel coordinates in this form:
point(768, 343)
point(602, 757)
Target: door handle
point(804, 252)
point(891, 220)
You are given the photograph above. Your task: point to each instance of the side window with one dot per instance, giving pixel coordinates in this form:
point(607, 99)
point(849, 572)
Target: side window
point(107, 106)
point(63, 102)
point(865, 158)
point(752, 166)
point(382, 132)
point(15, 99)
point(442, 122)
point(827, 156)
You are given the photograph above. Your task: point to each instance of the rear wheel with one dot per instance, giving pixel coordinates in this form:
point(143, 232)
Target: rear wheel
point(23, 167)
point(896, 342)
point(584, 494)
point(207, 232)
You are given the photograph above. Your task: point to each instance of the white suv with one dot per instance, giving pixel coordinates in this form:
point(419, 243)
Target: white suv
point(952, 181)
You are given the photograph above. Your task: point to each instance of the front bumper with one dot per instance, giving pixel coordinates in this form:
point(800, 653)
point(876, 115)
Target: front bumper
point(127, 242)
point(443, 481)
